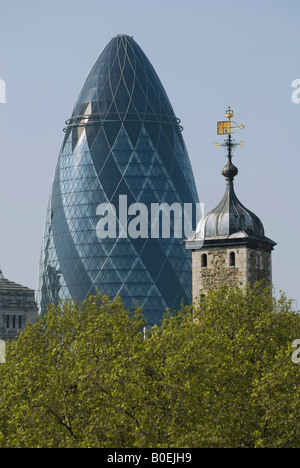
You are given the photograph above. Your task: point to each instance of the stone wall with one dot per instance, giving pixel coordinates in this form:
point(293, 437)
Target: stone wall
point(259, 266)
point(250, 265)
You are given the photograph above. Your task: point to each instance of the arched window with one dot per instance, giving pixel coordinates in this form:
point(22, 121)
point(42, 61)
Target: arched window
point(203, 261)
point(232, 259)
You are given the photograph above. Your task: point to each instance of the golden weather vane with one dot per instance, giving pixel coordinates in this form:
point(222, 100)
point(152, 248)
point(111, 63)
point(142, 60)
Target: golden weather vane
point(226, 128)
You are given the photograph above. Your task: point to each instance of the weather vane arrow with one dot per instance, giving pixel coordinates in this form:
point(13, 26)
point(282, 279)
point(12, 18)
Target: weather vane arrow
point(226, 128)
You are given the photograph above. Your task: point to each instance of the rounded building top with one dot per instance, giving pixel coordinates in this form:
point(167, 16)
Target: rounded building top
point(122, 85)
point(230, 217)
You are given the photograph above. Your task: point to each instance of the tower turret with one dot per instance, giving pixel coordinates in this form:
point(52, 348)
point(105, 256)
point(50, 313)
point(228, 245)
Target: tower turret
point(230, 247)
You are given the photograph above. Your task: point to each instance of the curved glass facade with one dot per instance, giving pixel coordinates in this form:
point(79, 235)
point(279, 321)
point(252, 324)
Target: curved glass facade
point(123, 139)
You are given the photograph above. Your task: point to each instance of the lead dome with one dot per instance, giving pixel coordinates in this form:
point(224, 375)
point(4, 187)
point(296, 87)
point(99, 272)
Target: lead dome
point(230, 216)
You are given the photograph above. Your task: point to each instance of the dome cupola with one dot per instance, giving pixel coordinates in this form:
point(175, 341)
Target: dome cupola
point(229, 247)
point(230, 216)
point(230, 219)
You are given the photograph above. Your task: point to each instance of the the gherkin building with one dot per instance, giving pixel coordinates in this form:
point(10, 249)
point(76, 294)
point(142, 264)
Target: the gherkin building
point(123, 139)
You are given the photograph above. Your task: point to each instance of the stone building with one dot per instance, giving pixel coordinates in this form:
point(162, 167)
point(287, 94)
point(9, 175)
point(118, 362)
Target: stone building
point(17, 308)
point(230, 247)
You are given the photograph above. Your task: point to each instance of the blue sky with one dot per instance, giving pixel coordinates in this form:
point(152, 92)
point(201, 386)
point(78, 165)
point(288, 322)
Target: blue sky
point(209, 54)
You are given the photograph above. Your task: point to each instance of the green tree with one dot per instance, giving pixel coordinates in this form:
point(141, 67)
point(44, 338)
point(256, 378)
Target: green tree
point(216, 376)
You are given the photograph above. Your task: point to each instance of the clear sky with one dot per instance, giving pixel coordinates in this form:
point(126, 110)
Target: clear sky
point(209, 54)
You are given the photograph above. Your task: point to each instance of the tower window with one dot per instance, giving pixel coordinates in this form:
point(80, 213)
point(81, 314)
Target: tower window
point(203, 261)
point(232, 259)
point(259, 261)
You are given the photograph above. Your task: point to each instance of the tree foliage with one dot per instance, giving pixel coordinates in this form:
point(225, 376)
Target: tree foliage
point(219, 375)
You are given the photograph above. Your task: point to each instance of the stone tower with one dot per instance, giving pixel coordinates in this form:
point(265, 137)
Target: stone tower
point(230, 247)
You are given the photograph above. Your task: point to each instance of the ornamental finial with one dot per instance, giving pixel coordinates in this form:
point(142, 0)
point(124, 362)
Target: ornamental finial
point(226, 128)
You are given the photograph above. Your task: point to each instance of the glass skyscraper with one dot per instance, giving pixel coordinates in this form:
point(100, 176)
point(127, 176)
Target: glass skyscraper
point(123, 139)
